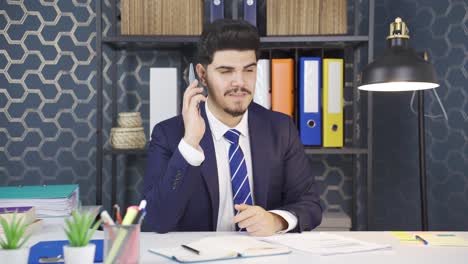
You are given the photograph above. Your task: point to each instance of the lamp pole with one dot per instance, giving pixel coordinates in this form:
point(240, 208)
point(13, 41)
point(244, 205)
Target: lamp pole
point(422, 162)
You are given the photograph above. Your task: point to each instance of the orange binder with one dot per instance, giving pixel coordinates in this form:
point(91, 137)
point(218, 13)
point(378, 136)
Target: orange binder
point(282, 86)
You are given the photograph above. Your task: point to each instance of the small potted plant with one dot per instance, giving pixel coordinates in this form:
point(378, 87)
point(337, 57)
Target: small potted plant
point(13, 240)
point(79, 230)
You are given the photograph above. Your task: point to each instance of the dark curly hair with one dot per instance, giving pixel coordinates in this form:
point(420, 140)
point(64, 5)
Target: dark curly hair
point(224, 34)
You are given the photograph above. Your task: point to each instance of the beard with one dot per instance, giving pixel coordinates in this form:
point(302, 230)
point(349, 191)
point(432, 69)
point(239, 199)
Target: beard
point(239, 111)
point(235, 111)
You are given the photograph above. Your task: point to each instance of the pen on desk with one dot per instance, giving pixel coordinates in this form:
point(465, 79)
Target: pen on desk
point(191, 249)
point(421, 239)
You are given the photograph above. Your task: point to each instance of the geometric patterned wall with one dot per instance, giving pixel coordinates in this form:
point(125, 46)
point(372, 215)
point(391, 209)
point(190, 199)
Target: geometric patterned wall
point(48, 103)
point(47, 94)
point(441, 28)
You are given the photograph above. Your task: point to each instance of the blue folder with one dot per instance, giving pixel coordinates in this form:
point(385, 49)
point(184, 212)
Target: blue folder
point(216, 9)
point(51, 249)
point(310, 101)
point(250, 11)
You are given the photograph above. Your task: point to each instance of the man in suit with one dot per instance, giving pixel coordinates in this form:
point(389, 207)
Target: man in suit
point(227, 163)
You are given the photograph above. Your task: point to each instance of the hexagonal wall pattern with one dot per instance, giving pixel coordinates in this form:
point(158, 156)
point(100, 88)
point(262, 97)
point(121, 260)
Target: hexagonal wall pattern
point(440, 28)
point(47, 109)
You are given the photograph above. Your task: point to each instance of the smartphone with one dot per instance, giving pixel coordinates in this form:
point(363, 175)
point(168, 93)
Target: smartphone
point(192, 78)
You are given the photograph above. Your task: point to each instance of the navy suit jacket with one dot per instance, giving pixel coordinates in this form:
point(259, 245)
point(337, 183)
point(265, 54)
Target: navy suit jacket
point(182, 197)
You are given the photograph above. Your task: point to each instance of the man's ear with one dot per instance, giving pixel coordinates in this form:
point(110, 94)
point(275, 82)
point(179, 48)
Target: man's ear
point(201, 72)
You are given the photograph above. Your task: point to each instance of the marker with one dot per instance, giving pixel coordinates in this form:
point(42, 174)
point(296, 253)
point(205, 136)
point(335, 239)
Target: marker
point(106, 219)
point(141, 213)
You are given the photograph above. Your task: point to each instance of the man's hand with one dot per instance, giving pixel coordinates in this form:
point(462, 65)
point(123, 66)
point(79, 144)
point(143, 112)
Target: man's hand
point(193, 121)
point(257, 221)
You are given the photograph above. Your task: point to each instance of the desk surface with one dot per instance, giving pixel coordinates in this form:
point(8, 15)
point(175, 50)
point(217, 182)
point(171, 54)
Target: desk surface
point(52, 230)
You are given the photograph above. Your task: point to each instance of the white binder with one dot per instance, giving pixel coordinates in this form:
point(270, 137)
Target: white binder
point(163, 95)
point(262, 95)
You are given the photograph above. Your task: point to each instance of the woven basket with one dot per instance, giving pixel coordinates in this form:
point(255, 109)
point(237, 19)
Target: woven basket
point(129, 119)
point(128, 138)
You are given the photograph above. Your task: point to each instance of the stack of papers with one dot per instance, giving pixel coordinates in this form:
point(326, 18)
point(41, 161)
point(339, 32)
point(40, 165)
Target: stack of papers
point(325, 244)
point(48, 200)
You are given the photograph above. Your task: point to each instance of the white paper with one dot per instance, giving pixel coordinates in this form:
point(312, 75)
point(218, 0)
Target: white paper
point(324, 244)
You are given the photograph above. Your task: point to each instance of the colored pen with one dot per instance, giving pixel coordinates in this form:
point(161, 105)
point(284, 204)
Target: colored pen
point(118, 216)
point(421, 239)
point(141, 212)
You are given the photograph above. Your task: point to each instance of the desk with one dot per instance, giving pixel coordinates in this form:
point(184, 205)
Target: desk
point(400, 254)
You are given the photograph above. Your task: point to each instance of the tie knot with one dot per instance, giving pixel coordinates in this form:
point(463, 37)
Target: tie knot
point(232, 136)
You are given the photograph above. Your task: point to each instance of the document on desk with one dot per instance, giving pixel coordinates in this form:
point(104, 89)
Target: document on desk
point(221, 248)
point(324, 244)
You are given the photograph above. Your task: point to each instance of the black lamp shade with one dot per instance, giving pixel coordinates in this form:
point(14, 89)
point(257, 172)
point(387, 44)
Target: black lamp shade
point(399, 69)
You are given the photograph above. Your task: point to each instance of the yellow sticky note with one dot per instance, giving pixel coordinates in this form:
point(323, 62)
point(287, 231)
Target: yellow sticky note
point(406, 238)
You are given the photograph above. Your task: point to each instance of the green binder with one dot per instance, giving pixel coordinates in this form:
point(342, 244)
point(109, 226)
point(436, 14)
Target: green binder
point(37, 192)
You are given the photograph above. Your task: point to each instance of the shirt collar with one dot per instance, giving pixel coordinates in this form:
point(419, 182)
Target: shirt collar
point(218, 128)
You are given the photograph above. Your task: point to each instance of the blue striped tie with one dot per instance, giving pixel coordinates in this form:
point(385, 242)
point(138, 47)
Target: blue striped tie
point(239, 180)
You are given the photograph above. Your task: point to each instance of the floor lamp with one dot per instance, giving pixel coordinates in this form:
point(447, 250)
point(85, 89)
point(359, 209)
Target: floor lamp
point(401, 68)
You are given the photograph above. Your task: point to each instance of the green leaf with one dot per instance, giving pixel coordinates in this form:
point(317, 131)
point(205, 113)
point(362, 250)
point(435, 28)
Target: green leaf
point(78, 228)
point(24, 240)
point(93, 230)
point(13, 231)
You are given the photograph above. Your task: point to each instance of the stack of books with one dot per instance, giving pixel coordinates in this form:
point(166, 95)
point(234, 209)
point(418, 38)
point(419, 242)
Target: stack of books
point(48, 200)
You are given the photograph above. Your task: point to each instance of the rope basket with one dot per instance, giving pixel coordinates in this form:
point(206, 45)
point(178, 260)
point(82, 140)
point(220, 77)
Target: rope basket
point(128, 138)
point(129, 119)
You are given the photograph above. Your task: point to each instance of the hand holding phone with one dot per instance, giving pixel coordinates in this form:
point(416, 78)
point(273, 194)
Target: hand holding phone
point(193, 121)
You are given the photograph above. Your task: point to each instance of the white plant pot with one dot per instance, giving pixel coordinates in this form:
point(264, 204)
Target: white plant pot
point(19, 256)
point(79, 255)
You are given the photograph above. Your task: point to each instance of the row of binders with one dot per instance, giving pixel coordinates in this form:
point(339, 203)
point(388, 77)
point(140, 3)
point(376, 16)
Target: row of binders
point(320, 96)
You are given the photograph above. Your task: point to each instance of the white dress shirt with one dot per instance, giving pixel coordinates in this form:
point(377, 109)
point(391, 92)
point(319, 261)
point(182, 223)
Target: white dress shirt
point(195, 157)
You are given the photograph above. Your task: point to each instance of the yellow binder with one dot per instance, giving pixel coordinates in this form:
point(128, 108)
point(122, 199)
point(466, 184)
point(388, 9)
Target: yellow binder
point(333, 102)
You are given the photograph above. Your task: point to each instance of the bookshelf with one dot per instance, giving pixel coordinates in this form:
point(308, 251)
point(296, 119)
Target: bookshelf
point(358, 146)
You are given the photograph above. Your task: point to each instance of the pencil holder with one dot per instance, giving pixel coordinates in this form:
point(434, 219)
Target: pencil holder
point(121, 243)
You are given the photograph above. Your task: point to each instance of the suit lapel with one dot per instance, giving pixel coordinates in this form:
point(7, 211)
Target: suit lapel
point(258, 142)
point(209, 167)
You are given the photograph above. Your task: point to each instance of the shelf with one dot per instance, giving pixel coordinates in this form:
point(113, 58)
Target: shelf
point(311, 41)
point(125, 151)
point(308, 150)
point(175, 42)
point(324, 151)
point(150, 42)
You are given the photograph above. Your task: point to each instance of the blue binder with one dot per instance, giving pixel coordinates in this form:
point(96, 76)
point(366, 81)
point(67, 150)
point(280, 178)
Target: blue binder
point(216, 9)
point(250, 11)
point(52, 249)
point(310, 101)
